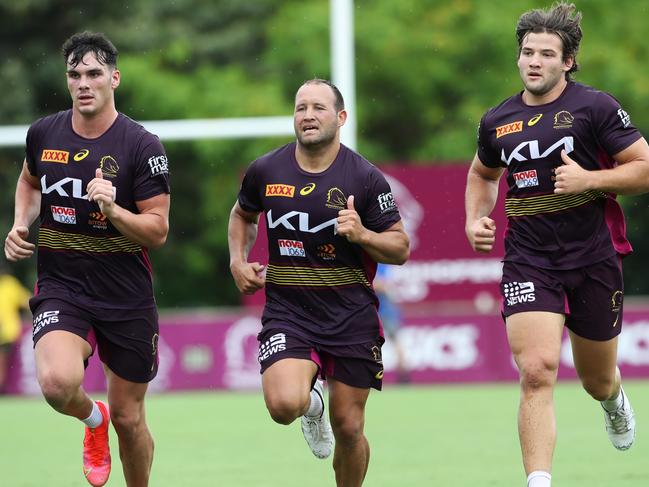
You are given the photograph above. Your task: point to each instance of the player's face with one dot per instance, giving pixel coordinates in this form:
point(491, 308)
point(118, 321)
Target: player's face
point(315, 119)
point(540, 63)
point(91, 85)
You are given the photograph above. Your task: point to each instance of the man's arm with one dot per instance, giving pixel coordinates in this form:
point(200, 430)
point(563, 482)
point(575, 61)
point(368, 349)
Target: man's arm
point(242, 233)
point(479, 201)
point(148, 228)
point(630, 176)
point(391, 246)
point(27, 209)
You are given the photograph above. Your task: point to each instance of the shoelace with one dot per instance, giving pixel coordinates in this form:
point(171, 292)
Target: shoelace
point(619, 421)
point(97, 437)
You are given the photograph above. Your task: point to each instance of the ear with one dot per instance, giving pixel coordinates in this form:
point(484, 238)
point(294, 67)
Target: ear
point(115, 78)
point(342, 117)
point(568, 63)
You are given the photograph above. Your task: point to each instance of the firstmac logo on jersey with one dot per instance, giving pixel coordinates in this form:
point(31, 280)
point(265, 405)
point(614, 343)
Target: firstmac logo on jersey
point(526, 179)
point(386, 202)
point(519, 292)
point(44, 319)
point(291, 248)
point(63, 214)
point(624, 117)
point(158, 165)
point(276, 343)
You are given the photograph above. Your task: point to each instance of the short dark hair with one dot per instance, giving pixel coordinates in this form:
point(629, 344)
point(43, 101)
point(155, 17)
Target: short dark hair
point(561, 19)
point(339, 102)
point(82, 43)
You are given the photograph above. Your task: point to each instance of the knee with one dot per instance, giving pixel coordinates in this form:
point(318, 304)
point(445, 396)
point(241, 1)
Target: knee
point(57, 390)
point(283, 410)
point(348, 430)
point(599, 388)
point(126, 421)
point(537, 374)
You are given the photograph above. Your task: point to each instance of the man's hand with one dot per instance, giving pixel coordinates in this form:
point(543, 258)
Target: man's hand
point(482, 234)
point(103, 192)
point(248, 276)
point(570, 178)
point(349, 223)
point(16, 245)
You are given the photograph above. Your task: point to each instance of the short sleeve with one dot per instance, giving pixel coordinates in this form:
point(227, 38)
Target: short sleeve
point(249, 196)
point(151, 169)
point(31, 144)
point(486, 151)
point(381, 210)
point(612, 124)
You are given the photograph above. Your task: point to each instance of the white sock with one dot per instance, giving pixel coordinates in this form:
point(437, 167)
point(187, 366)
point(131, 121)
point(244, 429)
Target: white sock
point(614, 404)
point(539, 478)
point(95, 418)
point(316, 407)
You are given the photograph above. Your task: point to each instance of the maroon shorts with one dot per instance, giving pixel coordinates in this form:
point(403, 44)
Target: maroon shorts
point(590, 297)
point(127, 339)
point(359, 365)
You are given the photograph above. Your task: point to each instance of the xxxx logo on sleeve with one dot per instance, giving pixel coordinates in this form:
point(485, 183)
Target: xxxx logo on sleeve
point(283, 190)
point(509, 128)
point(51, 155)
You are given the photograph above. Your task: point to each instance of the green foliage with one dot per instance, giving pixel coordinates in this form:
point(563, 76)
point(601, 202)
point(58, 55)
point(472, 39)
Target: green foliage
point(426, 72)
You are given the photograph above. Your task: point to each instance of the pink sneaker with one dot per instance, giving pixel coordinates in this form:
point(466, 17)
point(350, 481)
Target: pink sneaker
point(96, 452)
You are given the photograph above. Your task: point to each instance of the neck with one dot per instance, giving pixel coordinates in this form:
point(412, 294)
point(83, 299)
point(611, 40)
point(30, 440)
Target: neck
point(316, 159)
point(549, 97)
point(93, 126)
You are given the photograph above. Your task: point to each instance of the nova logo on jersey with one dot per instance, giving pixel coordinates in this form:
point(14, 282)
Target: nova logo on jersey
point(518, 293)
point(291, 248)
point(302, 221)
point(60, 187)
point(519, 153)
point(526, 179)
point(283, 190)
point(510, 128)
point(63, 214)
point(59, 156)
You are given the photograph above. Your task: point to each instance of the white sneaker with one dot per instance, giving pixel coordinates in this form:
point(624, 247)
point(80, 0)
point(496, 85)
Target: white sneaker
point(620, 424)
point(317, 430)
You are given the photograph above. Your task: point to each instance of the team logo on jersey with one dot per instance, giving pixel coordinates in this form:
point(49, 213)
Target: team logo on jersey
point(616, 305)
point(283, 190)
point(81, 155)
point(327, 252)
point(291, 248)
point(624, 117)
point(96, 219)
point(518, 293)
point(563, 120)
point(158, 165)
point(526, 179)
point(386, 202)
point(63, 214)
point(307, 189)
point(510, 128)
point(60, 156)
point(532, 121)
point(109, 166)
point(336, 199)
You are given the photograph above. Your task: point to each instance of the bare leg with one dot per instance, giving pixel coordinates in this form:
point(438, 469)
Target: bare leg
point(287, 388)
point(595, 362)
point(352, 453)
point(127, 413)
point(535, 341)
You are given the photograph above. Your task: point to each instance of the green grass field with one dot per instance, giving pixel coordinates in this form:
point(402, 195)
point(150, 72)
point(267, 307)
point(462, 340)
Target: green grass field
point(446, 436)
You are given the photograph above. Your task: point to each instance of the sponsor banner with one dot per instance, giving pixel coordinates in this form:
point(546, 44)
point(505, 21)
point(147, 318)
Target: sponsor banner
point(222, 352)
point(442, 266)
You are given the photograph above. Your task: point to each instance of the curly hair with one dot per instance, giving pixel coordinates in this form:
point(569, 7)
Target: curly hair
point(80, 44)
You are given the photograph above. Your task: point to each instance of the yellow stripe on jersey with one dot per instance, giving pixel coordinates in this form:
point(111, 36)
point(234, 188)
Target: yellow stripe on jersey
point(56, 240)
point(315, 276)
point(548, 203)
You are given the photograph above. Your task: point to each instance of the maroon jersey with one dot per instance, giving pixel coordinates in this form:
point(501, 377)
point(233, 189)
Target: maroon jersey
point(81, 256)
point(549, 230)
point(318, 283)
